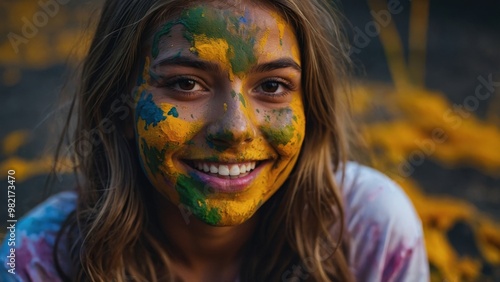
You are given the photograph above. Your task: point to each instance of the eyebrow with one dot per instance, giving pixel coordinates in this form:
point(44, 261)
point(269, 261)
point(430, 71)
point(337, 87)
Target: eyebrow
point(188, 62)
point(212, 67)
point(277, 64)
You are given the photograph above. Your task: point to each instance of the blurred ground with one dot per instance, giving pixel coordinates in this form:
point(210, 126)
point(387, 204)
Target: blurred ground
point(417, 76)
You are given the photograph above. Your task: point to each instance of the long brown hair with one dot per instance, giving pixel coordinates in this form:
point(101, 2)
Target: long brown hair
point(113, 236)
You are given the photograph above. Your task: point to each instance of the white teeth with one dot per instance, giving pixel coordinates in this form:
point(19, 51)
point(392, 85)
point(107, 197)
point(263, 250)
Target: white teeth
point(213, 169)
point(225, 169)
point(235, 170)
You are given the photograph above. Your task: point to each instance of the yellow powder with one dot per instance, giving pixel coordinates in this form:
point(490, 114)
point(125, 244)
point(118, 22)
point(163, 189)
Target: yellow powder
point(214, 50)
point(263, 41)
point(281, 25)
point(15, 140)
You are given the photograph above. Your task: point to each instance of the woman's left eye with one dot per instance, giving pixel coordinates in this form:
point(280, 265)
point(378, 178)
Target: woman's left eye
point(273, 87)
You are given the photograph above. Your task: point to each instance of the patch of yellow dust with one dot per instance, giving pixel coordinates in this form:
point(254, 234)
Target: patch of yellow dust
point(415, 116)
point(235, 209)
point(73, 44)
point(225, 107)
point(442, 255)
point(11, 76)
point(281, 25)
point(176, 129)
point(214, 50)
point(438, 215)
point(18, 10)
point(261, 46)
point(489, 241)
point(437, 212)
point(39, 52)
point(26, 169)
point(7, 54)
point(470, 268)
point(14, 140)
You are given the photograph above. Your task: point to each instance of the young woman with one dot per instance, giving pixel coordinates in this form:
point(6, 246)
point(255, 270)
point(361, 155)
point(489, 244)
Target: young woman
point(211, 145)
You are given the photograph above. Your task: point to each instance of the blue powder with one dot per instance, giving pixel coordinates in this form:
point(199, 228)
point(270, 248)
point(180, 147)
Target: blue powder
point(173, 112)
point(148, 110)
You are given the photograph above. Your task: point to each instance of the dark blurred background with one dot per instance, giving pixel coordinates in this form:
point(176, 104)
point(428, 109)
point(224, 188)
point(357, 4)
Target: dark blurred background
point(417, 67)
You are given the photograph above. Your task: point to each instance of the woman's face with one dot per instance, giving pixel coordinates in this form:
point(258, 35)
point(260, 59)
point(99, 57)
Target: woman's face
point(219, 118)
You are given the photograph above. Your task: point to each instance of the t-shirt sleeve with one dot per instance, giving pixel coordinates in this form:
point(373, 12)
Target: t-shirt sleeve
point(385, 232)
point(26, 253)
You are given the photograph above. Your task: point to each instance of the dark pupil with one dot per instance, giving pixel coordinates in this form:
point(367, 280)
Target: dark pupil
point(187, 84)
point(270, 86)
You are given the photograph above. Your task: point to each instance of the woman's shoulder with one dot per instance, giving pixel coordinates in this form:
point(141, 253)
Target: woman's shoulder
point(27, 250)
point(384, 229)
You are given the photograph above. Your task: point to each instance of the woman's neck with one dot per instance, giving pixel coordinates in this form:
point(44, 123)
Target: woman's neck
point(200, 250)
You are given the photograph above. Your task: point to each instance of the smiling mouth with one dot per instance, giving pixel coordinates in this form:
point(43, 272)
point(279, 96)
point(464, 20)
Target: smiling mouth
point(224, 170)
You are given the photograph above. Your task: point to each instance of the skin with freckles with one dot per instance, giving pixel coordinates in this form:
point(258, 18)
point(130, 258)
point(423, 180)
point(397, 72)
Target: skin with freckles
point(220, 89)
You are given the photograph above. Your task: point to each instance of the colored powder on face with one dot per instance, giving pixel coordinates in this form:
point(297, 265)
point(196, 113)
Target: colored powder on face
point(279, 136)
point(153, 157)
point(147, 110)
point(225, 107)
point(194, 199)
point(202, 23)
point(166, 28)
point(242, 99)
point(281, 26)
point(213, 49)
point(173, 112)
point(140, 78)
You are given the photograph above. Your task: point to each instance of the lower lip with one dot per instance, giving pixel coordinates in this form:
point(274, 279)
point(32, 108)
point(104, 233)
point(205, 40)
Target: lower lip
point(227, 185)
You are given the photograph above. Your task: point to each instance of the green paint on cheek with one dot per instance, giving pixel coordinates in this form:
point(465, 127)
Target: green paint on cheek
point(233, 94)
point(257, 111)
point(173, 112)
point(193, 198)
point(242, 99)
point(279, 136)
point(294, 118)
point(153, 157)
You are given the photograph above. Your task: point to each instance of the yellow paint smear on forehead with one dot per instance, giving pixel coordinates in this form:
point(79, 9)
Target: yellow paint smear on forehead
point(213, 50)
point(263, 40)
point(281, 25)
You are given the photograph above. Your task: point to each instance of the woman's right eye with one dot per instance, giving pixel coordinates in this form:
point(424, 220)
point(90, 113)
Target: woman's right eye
point(185, 85)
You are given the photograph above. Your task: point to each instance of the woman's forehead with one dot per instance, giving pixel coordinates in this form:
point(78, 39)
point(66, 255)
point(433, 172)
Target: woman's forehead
point(249, 32)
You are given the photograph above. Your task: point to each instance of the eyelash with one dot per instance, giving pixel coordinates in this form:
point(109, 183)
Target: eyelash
point(171, 84)
point(281, 82)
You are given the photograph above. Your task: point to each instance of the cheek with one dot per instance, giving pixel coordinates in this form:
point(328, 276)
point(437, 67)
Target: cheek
point(284, 128)
point(161, 132)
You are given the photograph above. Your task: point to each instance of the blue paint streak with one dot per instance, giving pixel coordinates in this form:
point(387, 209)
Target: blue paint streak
point(173, 112)
point(148, 110)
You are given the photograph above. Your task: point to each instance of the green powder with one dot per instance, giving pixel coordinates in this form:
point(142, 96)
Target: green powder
point(194, 199)
point(212, 24)
point(279, 136)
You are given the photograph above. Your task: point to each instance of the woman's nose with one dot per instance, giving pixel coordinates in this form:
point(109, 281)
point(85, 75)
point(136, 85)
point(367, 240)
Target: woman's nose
point(233, 125)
